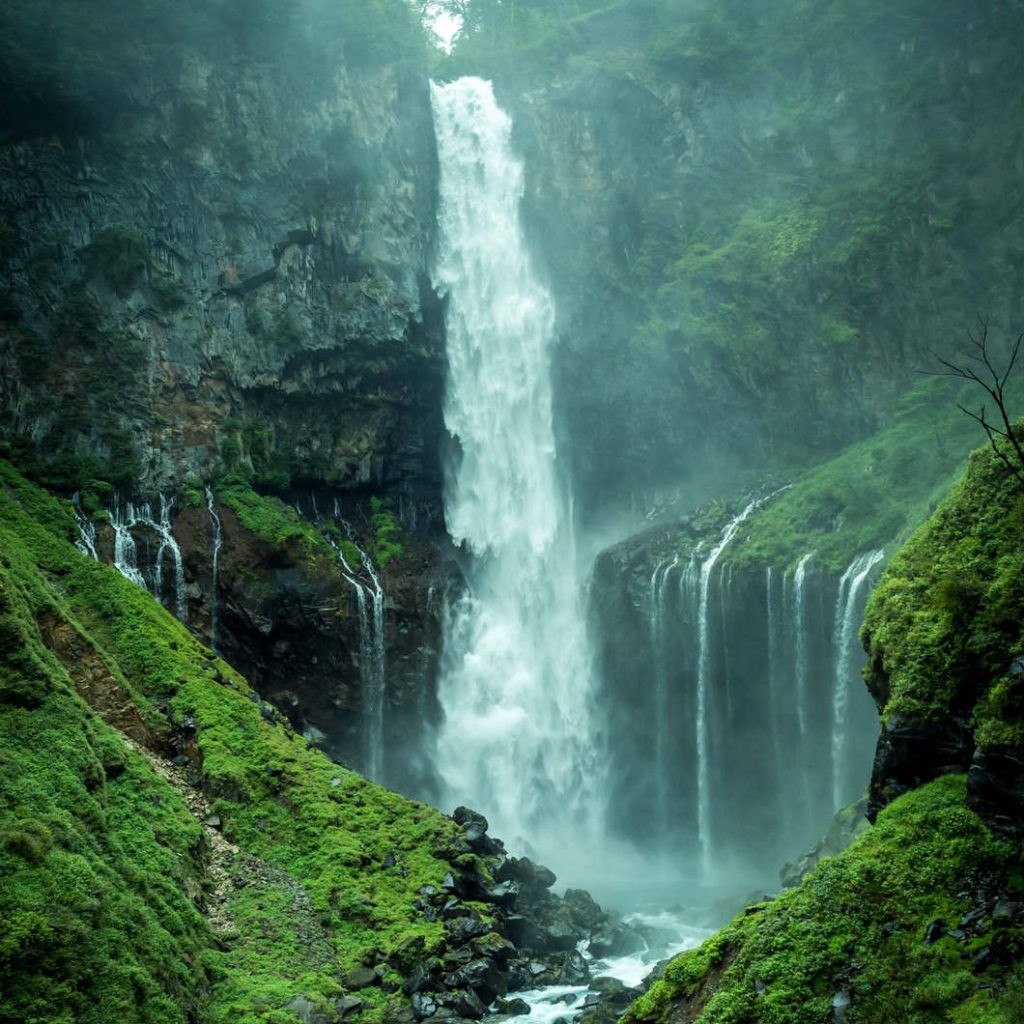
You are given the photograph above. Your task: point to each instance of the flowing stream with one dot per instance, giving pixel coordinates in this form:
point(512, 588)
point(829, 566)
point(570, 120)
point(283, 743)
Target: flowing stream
point(515, 681)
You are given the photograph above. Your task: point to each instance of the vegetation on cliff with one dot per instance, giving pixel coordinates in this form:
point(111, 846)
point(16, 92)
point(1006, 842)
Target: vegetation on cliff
point(910, 923)
point(875, 493)
point(797, 203)
point(322, 869)
point(946, 623)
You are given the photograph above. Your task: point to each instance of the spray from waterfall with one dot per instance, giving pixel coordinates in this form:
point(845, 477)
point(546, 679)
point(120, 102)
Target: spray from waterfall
point(517, 738)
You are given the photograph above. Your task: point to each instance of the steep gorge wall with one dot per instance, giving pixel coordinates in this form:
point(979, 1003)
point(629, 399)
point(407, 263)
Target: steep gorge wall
point(221, 278)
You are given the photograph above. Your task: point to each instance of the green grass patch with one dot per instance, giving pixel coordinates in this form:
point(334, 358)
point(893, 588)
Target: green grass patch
point(330, 863)
point(876, 492)
point(857, 924)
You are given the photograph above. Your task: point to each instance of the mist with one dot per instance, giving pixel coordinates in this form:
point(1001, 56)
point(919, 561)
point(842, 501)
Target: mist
point(517, 406)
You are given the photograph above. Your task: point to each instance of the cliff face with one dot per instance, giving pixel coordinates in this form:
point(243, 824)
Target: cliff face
point(739, 722)
point(235, 272)
point(222, 278)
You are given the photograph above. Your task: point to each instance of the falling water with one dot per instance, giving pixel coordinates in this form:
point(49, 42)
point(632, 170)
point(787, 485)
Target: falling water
point(372, 656)
point(375, 676)
point(662, 724)
point(86, 542)
point(800, 624)
point(125, 518)
point(122, 519)
point(516, 679)
point(845, 633)
point(169, 544)
point(215, 565)
point(776, 692)
point(703, 666)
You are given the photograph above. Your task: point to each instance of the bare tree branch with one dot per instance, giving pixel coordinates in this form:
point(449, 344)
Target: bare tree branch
point(993, 382)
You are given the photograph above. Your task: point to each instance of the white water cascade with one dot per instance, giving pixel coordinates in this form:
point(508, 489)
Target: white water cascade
point(800, 622)
point(516, 680)
point(124, 519)
point(703, 665)
point(218, 538)
point(372, 652)
point(86, 542)
point(849, 606)
point(662, 723)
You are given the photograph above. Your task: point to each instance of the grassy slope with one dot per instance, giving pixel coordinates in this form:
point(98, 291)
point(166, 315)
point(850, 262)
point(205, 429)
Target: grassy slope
point(947, 619)
point(112, 853)
point(857, 924)
point(874, 493)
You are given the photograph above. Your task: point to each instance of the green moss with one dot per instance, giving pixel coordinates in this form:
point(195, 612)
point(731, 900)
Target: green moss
point(947, 618)
point(328, 866)
point(96, 852)
point(873, 494)
point(387, 532)
point(857, 923)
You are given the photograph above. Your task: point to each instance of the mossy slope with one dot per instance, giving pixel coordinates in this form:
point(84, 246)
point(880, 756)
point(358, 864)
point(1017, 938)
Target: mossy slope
point(874, 493)
point(947, 619)
point(103, 864)
point(858, 924)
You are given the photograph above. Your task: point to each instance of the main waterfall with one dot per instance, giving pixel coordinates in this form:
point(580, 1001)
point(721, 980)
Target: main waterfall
point(515, 684)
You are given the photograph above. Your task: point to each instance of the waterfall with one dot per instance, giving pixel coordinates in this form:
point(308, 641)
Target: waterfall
point(211, 511)
point(662, 724)
point(86, 542)
point(847, 616)
point(515, 686)
point(124, 519)
point(800, 631)
point(703, 671)
point(168, 543)
point(372, 654)
point(376, 676)
point(776, 693)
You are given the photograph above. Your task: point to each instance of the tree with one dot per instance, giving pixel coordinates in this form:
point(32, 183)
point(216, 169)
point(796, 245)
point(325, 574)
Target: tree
point(981, 370)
